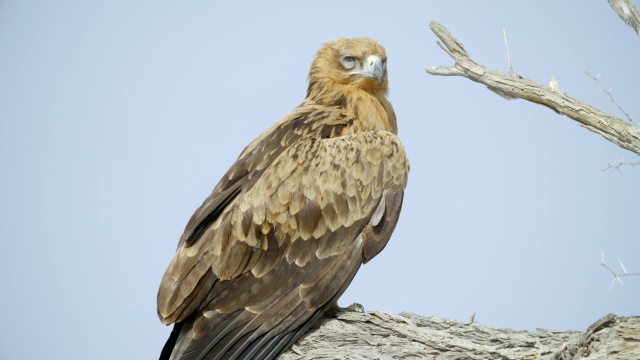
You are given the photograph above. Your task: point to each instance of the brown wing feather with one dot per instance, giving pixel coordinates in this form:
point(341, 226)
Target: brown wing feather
point(284, 247)
point(306, 120)
point(378, 232)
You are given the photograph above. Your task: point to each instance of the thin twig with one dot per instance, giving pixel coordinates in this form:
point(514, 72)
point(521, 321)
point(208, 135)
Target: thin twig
point(616, 277)
point(616, 166)
point(611, 98)
point(504, 31)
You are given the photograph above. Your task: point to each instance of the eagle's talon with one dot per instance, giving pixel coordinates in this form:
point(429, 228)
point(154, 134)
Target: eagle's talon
point(355, 307)
point(334, 310)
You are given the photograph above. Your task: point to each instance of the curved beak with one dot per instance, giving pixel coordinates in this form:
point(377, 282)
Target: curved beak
point(372, 68)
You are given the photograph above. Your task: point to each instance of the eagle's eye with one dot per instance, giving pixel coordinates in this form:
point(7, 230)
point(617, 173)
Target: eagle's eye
point(348, 62)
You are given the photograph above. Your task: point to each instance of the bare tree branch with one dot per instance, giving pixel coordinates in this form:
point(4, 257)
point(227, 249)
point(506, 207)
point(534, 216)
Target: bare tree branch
point(513, 86)
point(381, 336)
point(627, 12)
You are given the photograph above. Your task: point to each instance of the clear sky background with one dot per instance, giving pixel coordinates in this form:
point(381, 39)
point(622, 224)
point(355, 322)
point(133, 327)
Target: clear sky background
point(117, 119)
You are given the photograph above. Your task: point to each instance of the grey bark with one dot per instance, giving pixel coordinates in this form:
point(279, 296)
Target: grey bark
point(512, 86)
point(628, 13)
point(377, 335)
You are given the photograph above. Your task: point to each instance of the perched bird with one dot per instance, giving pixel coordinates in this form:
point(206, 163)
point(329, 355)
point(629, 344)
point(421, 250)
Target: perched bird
point(287, 227)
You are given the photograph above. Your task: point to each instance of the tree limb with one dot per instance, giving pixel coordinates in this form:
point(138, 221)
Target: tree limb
point(512, 86)
point(377, 335)
point(628, 13)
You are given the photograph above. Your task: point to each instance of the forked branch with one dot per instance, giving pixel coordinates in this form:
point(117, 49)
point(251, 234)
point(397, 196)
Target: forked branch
point(512, 86)
point(617, 277)
point(615, 166)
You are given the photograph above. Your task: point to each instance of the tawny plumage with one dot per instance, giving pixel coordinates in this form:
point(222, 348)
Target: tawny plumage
point(288, 226)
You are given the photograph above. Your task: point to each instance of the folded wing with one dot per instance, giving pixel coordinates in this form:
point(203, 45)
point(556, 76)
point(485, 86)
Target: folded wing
point(277, 253)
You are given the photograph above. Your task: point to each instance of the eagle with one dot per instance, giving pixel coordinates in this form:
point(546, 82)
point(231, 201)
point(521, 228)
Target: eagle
point(284, 232)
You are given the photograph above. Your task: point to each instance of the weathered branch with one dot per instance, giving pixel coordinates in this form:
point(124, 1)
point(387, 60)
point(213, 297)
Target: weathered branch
point(628, 13)
point(376, 335)
point(513, 86)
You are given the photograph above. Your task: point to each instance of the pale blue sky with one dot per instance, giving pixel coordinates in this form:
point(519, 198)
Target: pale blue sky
point(117, 118)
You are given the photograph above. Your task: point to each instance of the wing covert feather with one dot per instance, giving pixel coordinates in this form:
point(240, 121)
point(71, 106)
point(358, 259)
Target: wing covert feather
point(378, 232)
point(306, 120)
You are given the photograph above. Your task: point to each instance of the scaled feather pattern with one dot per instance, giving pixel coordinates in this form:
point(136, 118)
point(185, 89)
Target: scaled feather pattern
point(287, 227)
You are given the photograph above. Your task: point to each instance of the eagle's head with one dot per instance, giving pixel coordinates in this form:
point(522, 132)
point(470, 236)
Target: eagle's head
point(358, 62)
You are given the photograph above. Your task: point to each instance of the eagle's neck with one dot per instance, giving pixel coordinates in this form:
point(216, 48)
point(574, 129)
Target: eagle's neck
point(371, 110)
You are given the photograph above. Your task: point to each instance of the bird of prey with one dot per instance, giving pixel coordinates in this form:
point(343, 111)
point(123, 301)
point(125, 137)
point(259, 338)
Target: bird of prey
point(287, 227)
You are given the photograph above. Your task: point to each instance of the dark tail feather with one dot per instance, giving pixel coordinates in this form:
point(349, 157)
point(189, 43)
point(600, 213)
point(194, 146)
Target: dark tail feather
point(226, 344)
point(269, 348)
point(293, 336)
point(171, 342)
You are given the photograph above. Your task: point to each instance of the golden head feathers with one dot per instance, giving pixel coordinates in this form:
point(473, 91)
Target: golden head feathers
point(359, 62)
